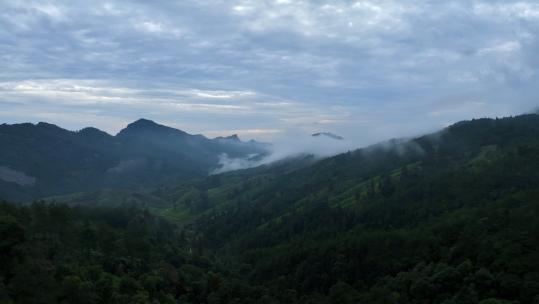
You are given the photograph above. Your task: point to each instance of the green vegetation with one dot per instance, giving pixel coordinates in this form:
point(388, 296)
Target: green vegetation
point(57, 254)
point(445, 218)
point(424, 221)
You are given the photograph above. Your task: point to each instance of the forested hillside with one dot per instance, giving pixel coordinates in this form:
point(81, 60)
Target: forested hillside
point(450, 217)
point(56, 254)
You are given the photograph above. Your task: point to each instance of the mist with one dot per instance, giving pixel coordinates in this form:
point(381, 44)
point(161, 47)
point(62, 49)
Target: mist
point(287, 146)
point(294, 144)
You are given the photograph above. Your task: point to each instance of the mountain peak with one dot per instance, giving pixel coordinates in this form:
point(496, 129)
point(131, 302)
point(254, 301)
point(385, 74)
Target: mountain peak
point(145, 125)
point(233, 137)
point(91, 132)
point(327, 134)
point(46, 125)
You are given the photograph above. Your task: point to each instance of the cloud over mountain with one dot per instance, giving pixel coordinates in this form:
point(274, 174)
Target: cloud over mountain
point(362, 69)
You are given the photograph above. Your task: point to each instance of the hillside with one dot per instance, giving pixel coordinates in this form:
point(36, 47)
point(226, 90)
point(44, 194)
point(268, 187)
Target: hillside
point(57, 254)
point(43, 159)
point(449, 217)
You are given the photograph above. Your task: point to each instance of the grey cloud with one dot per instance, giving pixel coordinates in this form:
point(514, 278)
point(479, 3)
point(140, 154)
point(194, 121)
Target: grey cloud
point(367, 70)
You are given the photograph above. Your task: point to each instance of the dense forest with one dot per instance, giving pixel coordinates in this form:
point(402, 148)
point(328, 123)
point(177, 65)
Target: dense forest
point(450, 217)
point(52, 253)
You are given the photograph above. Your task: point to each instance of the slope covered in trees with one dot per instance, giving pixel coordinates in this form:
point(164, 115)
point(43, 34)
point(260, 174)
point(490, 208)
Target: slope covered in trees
point(57, 254)
point(450, 217)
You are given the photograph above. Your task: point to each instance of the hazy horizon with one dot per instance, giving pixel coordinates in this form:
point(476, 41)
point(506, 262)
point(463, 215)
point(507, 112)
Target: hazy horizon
point(268, 70)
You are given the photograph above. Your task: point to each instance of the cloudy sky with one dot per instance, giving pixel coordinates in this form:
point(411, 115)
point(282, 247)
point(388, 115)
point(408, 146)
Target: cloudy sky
point(367, 70)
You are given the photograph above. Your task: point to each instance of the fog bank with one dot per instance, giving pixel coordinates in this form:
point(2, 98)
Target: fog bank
point(290, 146)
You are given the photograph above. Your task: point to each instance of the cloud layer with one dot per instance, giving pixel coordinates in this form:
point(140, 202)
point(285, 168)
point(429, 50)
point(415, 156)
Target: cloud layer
point(366, 70)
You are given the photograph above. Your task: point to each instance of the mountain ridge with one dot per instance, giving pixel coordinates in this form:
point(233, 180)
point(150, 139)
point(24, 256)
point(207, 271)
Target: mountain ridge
point(63, 161)
point(448, 217)
point(328, 135)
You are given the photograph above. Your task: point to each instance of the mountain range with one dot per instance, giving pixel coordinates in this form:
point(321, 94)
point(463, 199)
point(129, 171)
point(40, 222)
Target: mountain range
point(43, 159)
point(448, 217)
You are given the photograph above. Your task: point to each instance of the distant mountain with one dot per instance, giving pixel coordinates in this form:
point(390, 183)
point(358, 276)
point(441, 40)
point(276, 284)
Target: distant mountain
point(329, 135)
point(233, 138)
point(44, 159)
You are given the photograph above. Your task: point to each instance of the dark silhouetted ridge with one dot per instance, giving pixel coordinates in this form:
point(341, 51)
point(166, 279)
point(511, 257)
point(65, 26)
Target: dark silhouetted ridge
point(232, 138)
point(327, 134)
point(145, 126)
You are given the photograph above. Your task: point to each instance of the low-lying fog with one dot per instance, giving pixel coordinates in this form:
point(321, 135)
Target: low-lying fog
point(290, 146)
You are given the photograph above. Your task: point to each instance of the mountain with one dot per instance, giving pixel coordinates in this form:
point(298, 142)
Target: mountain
point(328, 135)
point(44, 159)
point(231, 138)
point(449, 217)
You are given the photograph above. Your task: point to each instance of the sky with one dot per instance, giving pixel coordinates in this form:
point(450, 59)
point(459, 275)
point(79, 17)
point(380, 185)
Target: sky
point(268, 69)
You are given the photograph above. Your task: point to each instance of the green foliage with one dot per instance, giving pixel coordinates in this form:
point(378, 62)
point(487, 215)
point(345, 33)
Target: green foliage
point(56, 254)
point(450, 217)
point(445, 218)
